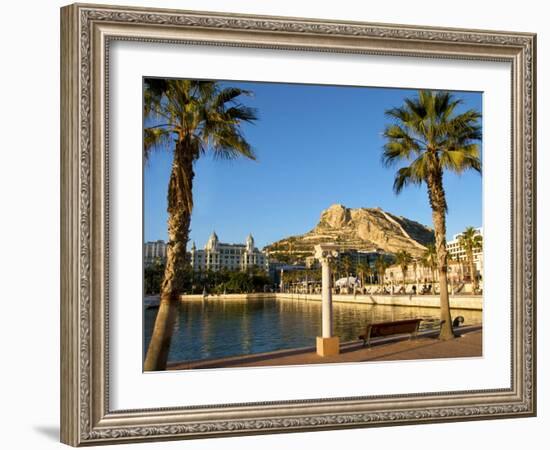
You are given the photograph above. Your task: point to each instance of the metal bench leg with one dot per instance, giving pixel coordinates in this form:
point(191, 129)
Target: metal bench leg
point(414, 334)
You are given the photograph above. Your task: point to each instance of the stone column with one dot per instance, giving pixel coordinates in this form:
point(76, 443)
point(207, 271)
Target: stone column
point(326, 299)
point(327, 344)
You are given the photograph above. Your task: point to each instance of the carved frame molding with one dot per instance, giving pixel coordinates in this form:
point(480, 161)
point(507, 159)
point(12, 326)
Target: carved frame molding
point(86, 32)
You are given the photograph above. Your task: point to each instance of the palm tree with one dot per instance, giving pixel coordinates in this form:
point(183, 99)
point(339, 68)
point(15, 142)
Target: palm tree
point(338, 268)
point(346, 265)
point(191, 118)
point(429, 259)
point(415, 271)
point(470, 240)
point(431, 137)
point(369, 271)
point(363, 269)
point(403, 259)
point(381, 265)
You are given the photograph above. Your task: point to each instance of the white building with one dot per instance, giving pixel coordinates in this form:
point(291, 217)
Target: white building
point(218, 255)
point(154, 251)
point(418, 273)
point(457, 267)
point(456, 251)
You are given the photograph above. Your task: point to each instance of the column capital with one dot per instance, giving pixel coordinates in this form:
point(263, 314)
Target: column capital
point(325, 252)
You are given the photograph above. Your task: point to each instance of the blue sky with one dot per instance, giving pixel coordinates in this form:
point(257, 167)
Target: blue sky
point(315, 146)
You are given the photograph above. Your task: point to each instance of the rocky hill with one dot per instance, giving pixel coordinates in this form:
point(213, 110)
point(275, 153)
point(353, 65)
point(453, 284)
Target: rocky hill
point(358, 228)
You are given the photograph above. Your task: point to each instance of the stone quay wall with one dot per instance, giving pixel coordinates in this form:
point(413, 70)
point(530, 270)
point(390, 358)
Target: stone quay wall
point(473, 302)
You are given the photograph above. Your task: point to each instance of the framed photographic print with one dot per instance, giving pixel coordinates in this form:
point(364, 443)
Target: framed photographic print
point(268, 221)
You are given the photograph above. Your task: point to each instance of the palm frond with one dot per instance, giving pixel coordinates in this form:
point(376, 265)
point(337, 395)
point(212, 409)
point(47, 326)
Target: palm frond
point(463, 126)
point(230, 144)
point(399, 114)
point(446, 105)
point(400, 145)
point(404, 177)
point(460, 160)
point(241, 114)
point(155, 138)
point(153, 90)
point(228, 95)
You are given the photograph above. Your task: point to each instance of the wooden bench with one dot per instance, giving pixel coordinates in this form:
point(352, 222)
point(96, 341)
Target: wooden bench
point(383, 329)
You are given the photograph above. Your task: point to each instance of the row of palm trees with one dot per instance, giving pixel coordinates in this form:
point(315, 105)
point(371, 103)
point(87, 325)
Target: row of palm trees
point(426, 137)
point(374, 273)
point(469, 240)
point(365, 271)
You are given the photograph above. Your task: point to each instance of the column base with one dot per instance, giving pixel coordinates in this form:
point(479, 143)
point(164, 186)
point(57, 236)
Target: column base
point(328, 346)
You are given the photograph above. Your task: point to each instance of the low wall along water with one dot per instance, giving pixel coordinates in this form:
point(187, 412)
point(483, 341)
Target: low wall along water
point(474, 302)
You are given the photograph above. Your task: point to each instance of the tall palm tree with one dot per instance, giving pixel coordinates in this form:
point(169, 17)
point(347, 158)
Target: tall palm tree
point(190, 118)
point(431, 137)
point(403, 259)
point(470, 240)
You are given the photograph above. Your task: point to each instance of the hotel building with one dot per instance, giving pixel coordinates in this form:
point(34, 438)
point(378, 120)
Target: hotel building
point(153, 252)
point(457, 265)
point(217, 256)
point(456, 251)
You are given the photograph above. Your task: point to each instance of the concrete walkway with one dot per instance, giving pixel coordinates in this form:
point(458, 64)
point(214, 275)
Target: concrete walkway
point(468, 345)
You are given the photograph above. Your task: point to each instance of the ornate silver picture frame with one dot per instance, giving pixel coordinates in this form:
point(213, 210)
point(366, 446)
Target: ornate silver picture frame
point(87, 32)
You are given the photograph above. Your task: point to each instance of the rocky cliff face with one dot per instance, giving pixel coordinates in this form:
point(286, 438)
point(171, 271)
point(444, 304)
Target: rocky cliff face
point(361, 229)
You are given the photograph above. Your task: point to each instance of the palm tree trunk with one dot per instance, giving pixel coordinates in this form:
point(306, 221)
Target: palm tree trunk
point(472, 271)
point(180, 205)
point(439, 207)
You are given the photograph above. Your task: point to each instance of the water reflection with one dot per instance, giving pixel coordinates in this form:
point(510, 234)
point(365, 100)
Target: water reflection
point(217, 328)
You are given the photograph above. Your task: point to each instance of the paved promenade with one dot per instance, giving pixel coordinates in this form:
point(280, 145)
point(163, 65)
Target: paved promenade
point(469, 344)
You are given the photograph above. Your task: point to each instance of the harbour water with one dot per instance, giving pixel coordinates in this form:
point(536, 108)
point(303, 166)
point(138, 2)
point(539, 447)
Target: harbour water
point(216, 328)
